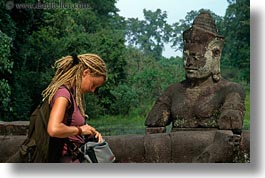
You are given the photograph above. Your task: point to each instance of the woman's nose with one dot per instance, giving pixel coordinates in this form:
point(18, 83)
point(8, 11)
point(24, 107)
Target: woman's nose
point(92, 90)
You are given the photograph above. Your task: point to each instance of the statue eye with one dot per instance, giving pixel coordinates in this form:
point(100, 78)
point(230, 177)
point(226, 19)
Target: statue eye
point(195, 56)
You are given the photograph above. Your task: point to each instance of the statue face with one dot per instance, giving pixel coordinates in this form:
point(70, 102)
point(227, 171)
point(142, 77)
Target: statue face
point(198, 61)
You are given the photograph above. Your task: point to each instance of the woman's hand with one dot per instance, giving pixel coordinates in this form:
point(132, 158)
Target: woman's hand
point(99, 137)
point(91, 131)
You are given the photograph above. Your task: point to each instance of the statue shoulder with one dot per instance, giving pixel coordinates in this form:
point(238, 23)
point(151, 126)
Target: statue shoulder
point(175, 87)
point(232, 87)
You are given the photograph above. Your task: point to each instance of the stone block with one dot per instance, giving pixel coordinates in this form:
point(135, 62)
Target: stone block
point(157, 148)
point(14, 128)
point(127, 148)
point(9, 146)
point(186, 145)
point(245, 142)
point(221, 150)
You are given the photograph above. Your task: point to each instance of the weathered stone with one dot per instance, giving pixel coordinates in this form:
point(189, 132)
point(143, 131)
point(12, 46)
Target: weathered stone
point(127, 148)
point(204, 99)
point(9, 145)
point(183, 146)
point(188, 144)
point(14, 128)
point(245, 141)
point(157, 148)
point(221, 150)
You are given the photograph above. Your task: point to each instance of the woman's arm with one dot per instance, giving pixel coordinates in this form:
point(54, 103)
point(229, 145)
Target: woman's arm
point(56, 127)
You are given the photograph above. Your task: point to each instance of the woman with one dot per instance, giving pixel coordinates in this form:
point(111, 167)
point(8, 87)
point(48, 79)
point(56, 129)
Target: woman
point(75, 76)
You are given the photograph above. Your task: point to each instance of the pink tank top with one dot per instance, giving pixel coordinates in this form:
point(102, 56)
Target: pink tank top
point(77, 118)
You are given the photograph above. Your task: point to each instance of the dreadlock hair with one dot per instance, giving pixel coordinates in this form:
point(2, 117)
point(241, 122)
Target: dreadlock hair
point(69, 73)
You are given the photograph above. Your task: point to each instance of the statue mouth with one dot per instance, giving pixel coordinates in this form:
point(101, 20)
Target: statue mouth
point(191, 69)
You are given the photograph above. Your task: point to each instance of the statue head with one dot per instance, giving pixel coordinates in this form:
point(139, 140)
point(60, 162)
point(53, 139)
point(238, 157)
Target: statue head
point(202, 48)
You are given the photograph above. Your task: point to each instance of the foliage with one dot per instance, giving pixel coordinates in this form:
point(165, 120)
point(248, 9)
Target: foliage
point(236, 52)
point(31, 40)
point(6, 66)
point(150, 34)
point(126, 99)
point(22, 101)
point(247, 113)
point(119, 124)
point(148, 78)
point(43, 36)
point(7, 25)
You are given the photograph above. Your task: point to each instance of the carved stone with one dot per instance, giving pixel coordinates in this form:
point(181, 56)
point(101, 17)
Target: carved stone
point(204, 99)
point(175, 147)
point(14, 128)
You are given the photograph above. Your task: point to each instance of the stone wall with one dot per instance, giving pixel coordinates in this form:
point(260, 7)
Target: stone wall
point(213, 146)
point(175, 147)
point(14, 128)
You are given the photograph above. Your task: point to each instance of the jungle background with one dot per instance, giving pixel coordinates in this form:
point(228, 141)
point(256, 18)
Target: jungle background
point(31, 40)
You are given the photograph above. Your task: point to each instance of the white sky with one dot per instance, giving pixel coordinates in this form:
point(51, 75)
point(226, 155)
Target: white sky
point(176, 10)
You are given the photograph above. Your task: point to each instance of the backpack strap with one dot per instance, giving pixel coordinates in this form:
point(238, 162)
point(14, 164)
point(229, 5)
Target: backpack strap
point(56, 144)
point(72, 147)
point(70, 111)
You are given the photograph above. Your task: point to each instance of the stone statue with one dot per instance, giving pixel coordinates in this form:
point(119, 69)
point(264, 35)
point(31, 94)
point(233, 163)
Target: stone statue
point(204, 99)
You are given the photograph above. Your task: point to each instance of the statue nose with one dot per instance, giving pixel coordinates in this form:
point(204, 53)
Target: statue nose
point(189, 61)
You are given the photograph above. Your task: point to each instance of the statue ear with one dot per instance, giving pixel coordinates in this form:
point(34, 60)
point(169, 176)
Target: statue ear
point(216, 52)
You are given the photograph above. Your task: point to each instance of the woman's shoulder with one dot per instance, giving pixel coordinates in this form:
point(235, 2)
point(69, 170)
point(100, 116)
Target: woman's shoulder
point(62, 92)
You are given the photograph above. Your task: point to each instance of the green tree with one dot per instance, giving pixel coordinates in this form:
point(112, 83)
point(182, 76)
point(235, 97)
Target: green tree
point(48, 35)
point(151, 34)
point(6, 66)
point(148, 78)
point(236, 53)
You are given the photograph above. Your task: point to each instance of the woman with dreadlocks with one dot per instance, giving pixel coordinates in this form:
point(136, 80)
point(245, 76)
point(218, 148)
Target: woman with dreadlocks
point(75, 76)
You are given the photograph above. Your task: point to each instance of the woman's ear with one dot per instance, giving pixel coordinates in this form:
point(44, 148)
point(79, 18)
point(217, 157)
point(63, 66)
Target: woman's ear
point(86, 72)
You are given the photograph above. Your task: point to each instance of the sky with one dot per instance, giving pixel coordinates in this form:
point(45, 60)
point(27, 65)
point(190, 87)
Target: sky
point(176, 10)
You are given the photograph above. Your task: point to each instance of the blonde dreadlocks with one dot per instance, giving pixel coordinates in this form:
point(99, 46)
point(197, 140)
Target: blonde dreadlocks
point(69, 73)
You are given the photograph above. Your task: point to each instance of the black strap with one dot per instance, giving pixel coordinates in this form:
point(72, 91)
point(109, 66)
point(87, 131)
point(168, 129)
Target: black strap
point(57, 143)
point(70, 111)
point(92, 155)
point(71, 147)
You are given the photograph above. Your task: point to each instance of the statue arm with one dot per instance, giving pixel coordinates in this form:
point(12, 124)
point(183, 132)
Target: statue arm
point(159, 116)
point(233, 110)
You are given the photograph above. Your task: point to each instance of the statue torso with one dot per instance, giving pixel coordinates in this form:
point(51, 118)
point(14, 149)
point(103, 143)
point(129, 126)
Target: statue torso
point(188, 106)
point(195, 107)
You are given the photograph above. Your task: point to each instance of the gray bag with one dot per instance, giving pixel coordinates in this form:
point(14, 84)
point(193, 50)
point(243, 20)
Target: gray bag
point(94, 152)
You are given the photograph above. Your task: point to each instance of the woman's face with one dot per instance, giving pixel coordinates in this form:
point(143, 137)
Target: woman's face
point(90, 83)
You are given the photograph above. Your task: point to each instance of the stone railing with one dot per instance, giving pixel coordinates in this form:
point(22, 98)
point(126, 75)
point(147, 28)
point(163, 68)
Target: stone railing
point(175, 147)
point(14, 128)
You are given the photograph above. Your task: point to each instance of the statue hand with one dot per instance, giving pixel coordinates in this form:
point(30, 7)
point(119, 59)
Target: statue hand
point(230, 119)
